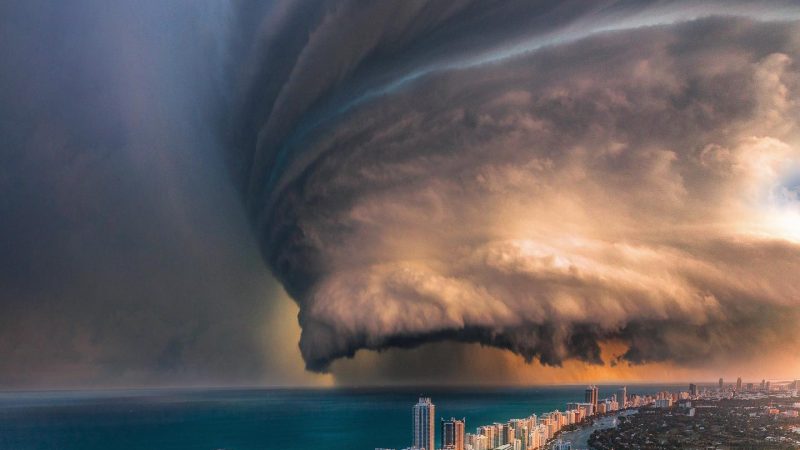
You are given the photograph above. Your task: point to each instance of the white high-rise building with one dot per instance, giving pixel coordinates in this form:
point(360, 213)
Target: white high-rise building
point(543, 436)
point(622, 397)
point(480, 442)
point(424, 431)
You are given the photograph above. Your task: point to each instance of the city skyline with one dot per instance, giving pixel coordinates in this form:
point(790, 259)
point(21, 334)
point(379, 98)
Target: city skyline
point(543, 431)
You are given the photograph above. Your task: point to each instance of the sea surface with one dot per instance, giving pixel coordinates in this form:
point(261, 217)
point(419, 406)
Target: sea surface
point(250, 419)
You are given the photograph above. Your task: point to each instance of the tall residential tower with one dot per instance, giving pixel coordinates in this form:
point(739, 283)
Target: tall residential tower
point(591, 396)
point(424, 431)
point(622, 397)
point(453, 434)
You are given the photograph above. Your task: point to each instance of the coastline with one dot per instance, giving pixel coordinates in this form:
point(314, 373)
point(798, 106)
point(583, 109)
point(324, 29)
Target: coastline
point(579, 438)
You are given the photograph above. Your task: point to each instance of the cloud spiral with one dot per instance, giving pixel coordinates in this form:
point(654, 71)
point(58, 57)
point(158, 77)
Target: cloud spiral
point(540, 178)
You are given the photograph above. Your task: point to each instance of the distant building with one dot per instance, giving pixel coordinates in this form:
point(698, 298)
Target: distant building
point(453, 434)
point(541, 434)
point(664, 402)
point(590, 396)
point(508, 434)
point(562, 445)
point(499, 436)
point(572, 406)
point(693, 390)
point(423, 415)
point(477, 441)
point(720, 383)
point(622, 397)
point(739, 384)
point(489, 432)
point(585, 409)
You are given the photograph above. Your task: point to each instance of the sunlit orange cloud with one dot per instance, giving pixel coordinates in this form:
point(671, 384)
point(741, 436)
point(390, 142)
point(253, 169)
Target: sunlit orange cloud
point(472, 364)
point(573, 371)
point(773, 367)
point(491, 366)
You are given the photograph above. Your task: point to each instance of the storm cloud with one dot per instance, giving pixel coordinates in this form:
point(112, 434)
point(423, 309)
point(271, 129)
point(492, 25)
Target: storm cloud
point(540, 178)
point(577, 182)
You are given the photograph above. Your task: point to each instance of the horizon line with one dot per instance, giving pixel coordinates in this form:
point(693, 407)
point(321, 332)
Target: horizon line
point(403, 386)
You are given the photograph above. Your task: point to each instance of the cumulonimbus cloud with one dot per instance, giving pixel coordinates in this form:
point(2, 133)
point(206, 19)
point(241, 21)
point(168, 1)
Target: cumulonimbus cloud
point(636, 182)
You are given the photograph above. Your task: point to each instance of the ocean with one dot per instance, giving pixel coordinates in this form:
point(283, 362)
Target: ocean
point(251, 419)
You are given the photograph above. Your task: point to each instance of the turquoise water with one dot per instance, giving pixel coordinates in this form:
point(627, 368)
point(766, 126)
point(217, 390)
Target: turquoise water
point(334, 419)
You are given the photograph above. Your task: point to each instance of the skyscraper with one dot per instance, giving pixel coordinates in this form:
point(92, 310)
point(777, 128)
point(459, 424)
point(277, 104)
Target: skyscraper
point(448, 433)
point(489, 432)
point(499, 435)
point(693, 390)
point(590, 396)
point(622, 396)
point(423, 415)
point(720, 383)
point(739, 384)
point(461, 426)
point(508, 434)
point(453, 434)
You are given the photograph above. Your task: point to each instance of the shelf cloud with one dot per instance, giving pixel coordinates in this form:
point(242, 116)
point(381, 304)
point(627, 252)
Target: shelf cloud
point(540, 178)
point(441, 182)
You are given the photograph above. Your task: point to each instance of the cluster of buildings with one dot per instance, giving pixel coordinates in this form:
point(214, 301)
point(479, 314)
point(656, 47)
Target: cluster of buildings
point(737, 390)
point(709, 420)
point(745, 390)
point(535, 432)
point(529, 433)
